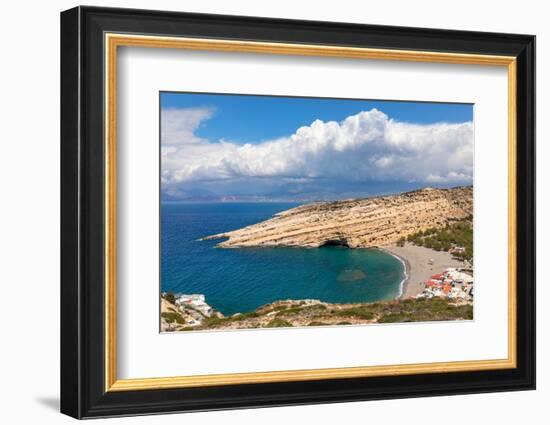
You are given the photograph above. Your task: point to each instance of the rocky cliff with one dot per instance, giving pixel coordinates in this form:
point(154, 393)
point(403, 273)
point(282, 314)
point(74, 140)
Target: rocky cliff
point(356, 223)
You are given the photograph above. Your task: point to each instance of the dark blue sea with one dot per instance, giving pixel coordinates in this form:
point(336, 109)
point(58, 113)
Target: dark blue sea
point(242, 279)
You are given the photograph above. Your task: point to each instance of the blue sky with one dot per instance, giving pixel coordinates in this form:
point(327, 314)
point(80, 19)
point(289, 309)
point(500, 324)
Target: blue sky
point(244, 147)
point(248, 118)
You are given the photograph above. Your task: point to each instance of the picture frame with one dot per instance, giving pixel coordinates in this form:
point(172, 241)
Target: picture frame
point(90, 40)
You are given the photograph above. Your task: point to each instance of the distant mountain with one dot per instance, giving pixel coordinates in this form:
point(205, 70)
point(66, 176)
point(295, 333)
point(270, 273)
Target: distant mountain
point(320, 191)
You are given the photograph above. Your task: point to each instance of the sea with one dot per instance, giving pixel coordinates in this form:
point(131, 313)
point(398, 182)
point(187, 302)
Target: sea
point(243, 279)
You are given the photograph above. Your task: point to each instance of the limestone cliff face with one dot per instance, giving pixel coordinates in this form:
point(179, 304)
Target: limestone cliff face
point(356, 223)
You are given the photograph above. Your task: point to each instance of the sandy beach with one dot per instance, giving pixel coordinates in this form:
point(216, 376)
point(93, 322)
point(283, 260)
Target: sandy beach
point(421, 263)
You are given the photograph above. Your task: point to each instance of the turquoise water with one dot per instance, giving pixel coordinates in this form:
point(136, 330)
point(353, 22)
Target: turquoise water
point(242, 279)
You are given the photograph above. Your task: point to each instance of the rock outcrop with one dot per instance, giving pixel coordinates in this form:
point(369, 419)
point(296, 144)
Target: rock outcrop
point(356, 223)
point(300, 313)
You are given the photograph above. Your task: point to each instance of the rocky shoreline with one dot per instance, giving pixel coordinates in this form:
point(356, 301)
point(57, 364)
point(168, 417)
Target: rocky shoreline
point(191, 312)
point(379, 222)
point(306, 313)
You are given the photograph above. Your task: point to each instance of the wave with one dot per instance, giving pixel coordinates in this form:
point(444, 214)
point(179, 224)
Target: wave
point(402, 284)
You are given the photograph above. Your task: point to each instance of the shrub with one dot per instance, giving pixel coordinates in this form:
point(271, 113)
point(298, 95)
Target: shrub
point(172, 317)
point(279, 323)
point(170, 297)
point(394, 318)
point(242, 316)
point(310, 309)
point(314, 323)
point(213, 321)
point(362, 312)
point(424, 310)
point(458, 233)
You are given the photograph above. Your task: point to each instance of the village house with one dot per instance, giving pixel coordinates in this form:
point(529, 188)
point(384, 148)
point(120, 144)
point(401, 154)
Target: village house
point(196, 302)
point(453, 283)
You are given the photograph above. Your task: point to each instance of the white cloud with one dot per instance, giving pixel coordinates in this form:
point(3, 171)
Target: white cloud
point(179, 125)
point(368, 146)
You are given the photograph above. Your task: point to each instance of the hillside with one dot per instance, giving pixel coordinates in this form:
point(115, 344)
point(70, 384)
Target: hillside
point(298, 313)
point(356, 223)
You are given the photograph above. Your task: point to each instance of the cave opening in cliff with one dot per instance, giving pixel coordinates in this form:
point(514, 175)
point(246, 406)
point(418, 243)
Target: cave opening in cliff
point(341, 242)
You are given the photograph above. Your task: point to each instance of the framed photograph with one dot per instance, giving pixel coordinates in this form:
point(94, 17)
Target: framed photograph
point(261, 212)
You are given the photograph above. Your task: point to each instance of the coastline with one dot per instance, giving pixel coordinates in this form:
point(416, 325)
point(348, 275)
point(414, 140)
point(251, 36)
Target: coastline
point(420, 263)
point(187, 312)
point(407, 269)
point(178, 317)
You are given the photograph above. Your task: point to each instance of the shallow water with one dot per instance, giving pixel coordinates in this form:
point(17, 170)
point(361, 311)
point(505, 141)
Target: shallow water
point(242, 279)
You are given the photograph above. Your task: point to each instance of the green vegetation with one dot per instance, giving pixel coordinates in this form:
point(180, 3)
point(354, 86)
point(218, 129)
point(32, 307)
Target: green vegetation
point(214, 321)
point(411, 310)
point(458, 234)
point(317, 323)
point(170, 297)
point(420, 310)
point(279, 323)
point(243, 316)
point(365, 312)
point(172, 317)
point(425, 310)
point(398, 311)
point(279, 307)
point(186, 329)
point(307, 310)
point(217, 322)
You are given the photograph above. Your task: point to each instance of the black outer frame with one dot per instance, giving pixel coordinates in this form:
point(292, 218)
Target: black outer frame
point(82, 220)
